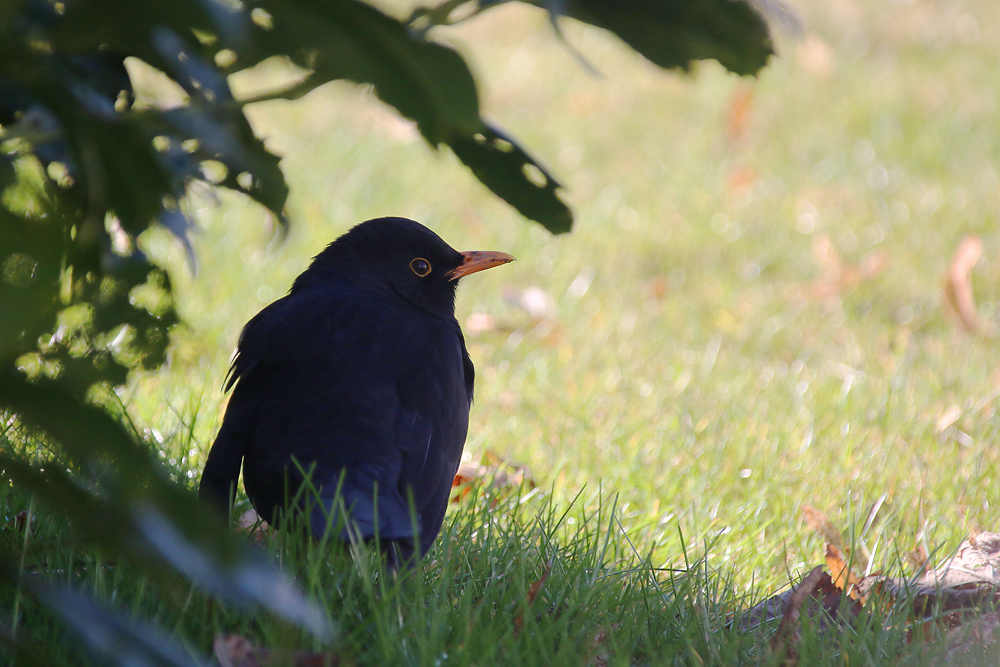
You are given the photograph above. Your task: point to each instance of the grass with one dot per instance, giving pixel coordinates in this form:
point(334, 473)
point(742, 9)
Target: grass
point(699, 371)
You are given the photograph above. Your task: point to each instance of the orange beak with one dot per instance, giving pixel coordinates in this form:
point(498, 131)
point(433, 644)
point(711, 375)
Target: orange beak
point(478, 260)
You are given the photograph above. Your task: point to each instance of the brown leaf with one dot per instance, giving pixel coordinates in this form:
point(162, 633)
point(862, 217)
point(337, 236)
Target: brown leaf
point(841, 574)
point(538, 303)
point(740, 106)
point(533, 591)
point(818, 586)
point(839, 275)
point(254, 526)
point(237, 651)
point(815, 56)
point(958, 283)
point(786, 639)
point(975, 638)
point(821, 525)
point(950, 593)
point(492, 468)
point(948, 417)
point(918, 558)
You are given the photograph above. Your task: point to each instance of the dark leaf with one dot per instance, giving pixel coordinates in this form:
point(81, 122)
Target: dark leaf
point(112, 636)
point(505, 168)
point(347, 39)
point(133, 508)
point(670, 33)
point(675, 33)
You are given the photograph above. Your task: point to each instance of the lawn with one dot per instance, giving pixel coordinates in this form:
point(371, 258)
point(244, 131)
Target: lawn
point(747, 320)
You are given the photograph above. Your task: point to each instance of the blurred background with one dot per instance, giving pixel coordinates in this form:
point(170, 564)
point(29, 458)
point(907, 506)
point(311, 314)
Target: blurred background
point(749, 321)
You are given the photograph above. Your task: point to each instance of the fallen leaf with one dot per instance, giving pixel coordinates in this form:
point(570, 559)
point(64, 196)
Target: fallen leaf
point(479, 323)
point(740, 106)
point(958, 283)
point(821, 525)
point(815, 56)
point(233, 650)
point(494, 471)
point(838, 275)
point(948, 417)
point(917, 557)
point(978, 637)
point(841, 574)
point(817, 586)
point(739, 179)
point(953, 592)
point(254, 526)
point(533, 591)
point(535, 301)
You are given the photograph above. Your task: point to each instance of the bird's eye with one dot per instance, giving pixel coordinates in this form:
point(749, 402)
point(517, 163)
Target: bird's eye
point(420, 266)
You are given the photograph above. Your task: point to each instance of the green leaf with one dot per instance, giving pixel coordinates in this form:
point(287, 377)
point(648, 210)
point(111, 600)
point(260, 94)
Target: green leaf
point(127, 504)
point(346, 39)
point(112, 636)
point(675, 33)
point(505, 168)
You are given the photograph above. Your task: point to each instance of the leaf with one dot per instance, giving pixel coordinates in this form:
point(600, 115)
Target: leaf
point(238, 651)
point(133, 508)
point(670, 33)
point(346, 39)
point(112, 636)
point(507, 170)
point(533, 592)
point(821, 525)
point(493, 472)
point(675, 33)
point(841, 574)
point(958, 283)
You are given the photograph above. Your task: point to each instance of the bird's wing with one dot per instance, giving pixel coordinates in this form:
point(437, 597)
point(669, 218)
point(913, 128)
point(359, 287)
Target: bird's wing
point(260, 339)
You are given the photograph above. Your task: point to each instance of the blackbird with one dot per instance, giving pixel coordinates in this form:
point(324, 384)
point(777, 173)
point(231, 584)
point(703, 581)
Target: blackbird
point(359, 378)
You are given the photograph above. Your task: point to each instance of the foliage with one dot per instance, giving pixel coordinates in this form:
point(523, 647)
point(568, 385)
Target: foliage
point(86, 168)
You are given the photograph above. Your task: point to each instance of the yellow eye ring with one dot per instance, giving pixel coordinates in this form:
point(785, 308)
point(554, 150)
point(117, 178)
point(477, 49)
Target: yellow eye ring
point(420, 266)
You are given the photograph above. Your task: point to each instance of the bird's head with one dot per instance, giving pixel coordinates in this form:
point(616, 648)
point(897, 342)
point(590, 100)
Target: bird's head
point(397, 255)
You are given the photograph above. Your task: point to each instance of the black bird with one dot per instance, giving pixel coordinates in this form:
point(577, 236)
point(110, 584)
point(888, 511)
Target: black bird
point(359, 376)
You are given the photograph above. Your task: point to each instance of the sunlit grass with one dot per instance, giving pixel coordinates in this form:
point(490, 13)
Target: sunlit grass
point(699, 364)
point(699, 360)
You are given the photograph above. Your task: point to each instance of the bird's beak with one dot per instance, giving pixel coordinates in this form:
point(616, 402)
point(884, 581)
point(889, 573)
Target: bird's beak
point(478, 260)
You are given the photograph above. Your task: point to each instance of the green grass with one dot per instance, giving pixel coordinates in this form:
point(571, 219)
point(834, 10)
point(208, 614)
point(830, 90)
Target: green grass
point(699, 383)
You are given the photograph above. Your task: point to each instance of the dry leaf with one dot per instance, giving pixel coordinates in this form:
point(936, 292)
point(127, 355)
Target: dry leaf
point(958, 283)
point(238, 651)
point(255, 527)
point(492, 468)
point(975, 638)
point(533, 591)
point(821, 525)
point(740, 106)
point(918, 558)
point(535, 301)
point(815, 56)
point(948, 417)
point(841, 574)
point(838, 275)
point(739, 179)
